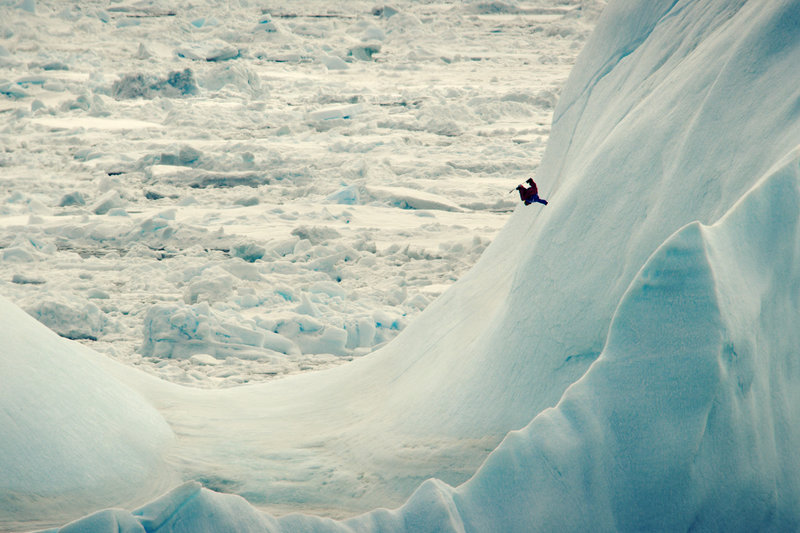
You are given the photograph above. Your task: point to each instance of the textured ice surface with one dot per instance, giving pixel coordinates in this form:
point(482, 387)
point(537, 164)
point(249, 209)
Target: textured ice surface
point(146, 147)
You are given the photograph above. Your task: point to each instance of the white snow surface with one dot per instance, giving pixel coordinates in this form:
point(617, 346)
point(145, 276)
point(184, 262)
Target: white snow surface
point(641, 330)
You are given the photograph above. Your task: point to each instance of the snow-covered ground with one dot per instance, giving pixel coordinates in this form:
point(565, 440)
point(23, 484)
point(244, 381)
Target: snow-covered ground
point(221, 192)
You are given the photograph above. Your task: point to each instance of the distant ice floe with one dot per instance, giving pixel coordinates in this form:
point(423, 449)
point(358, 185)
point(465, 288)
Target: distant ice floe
point(285, 304)
point(228, 196)
point(411, 199)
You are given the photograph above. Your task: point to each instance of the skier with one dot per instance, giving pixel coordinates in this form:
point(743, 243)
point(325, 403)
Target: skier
point(531, 194)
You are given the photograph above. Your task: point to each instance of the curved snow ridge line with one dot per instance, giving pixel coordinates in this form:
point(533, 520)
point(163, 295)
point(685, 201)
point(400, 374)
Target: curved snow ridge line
point(151, 517)
point(679, 423)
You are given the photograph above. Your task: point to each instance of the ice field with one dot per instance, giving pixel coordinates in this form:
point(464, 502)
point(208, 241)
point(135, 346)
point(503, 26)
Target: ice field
point(623, 359)
point(225, 192)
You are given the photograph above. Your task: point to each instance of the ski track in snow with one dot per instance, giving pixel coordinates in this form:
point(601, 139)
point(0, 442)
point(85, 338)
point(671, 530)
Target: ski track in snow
point(222, 194)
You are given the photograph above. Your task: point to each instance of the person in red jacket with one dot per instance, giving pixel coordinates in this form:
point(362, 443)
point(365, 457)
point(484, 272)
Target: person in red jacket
point(531, 194)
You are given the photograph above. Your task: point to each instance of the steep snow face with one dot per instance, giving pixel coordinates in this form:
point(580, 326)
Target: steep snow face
point(689, 417)
point(670, 115)
point(73, 437)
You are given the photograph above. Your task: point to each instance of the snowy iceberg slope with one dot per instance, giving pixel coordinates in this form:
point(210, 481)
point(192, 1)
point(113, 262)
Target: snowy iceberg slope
point(72, 436)
point(674, 111)
point(688, 419)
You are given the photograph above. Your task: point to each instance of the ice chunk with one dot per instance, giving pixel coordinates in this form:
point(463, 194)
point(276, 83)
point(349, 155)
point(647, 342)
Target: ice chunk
point(328, 287)
point(384, 11)
point(364, 51)
point(243, 270)
point(405, 198)
point(204, 359)
point(336, 112)
point(98, 107)
point(302, 247)
point(362, 333)
point(233, 75)
point(24, 279)
point(214, 284)
point(334, 62)
point(177, 83)
point(143, 53)
point(180, 331)
point(73, 319)
point(98, 294)
point(248, 201)
point(331, 340)
point(350, 195)
point(183, 155)
point(307, 307)
point(316, 234)
point(17, 254)
point(110, 200)
point(12, 90)
point(212, 50)
point(72, 198)
point(199, 178)
point(248, 251)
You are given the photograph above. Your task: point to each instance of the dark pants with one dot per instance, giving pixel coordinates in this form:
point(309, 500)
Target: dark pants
point(535, 198)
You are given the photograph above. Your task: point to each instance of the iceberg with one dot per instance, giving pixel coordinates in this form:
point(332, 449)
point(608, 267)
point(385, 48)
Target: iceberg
point(624, 359)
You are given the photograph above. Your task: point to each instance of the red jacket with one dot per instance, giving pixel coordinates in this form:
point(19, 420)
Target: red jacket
point(526, 194)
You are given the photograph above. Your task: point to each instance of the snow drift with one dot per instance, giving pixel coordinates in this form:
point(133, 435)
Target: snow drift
point(645, 321)
point(73, 437)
